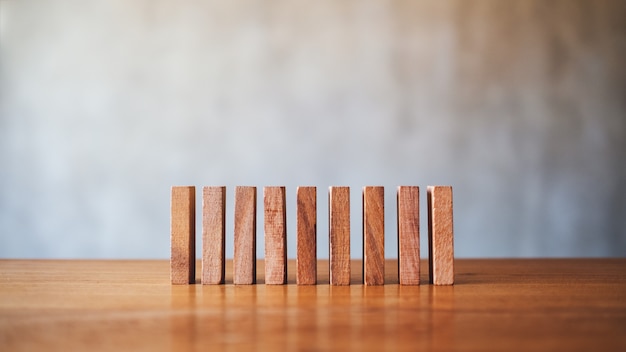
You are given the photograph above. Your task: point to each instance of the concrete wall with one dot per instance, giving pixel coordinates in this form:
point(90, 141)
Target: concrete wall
point(520, 105)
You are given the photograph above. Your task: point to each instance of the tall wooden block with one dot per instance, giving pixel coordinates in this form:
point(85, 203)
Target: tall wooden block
point(440, 235)
point(183, 235)
point(275, 236)
point(213, 235)
point(306, 223)
point(244, 261)
point(339, 223)
point(373, 235)
point(408, 235)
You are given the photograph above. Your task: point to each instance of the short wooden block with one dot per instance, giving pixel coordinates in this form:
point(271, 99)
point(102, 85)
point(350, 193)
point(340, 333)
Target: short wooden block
point(183, 235)
point(275, 236)
point(408, 235)
point(373, 235)
point(339, 223)
point(306, 223)
point(440, 235)
point(244, 261)
point(213, 235)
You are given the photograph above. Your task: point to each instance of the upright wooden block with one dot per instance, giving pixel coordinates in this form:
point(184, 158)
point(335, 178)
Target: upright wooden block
point(306, 223)
point(339, 223)
point(244, 261)
point(183, 235)
point(408, 235)
point(213, 235)
point(373, 236)
point(440, 235)
point(275, 236)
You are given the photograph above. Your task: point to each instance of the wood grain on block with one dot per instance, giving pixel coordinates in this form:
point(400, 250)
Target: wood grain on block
point(408, 235)
point(339, 223)
point(275, 236)
point(244, 261)
point(183, 235)
point(213, 235)
point(440, 235)
point(373, 235)
point(306, 223)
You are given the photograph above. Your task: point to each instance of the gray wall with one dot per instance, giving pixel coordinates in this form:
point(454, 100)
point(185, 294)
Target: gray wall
point(520, 105)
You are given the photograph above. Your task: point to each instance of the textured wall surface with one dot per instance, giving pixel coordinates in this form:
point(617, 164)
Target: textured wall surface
point(520, 105)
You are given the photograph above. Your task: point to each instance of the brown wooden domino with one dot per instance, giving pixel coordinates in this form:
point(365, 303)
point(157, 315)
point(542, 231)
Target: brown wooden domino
point(183, 235)
point(373, 235)
point(306, 223)
point(244, 260)
point(275, 235)
point(408, 235)
point(339, 232)
point(440, 235)
point(213, 235)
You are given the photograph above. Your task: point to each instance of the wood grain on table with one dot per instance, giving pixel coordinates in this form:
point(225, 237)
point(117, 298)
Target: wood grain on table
point(552, 304)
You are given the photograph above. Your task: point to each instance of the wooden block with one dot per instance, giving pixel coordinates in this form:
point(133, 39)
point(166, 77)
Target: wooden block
point(408, 235)
point(440, 235)
point(275, 236)
point(339, 223)
point(213, 235)
point(373, 236)
point(183, 235)
point(306, 223)
point(244, 261)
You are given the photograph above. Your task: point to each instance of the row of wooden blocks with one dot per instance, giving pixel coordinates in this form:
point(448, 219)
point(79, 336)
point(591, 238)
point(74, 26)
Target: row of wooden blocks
point(440, 235)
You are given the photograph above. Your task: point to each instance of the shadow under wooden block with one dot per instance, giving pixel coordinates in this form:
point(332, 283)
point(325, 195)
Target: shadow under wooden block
point(323, 266)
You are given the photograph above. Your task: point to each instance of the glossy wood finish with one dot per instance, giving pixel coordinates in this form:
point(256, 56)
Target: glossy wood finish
point(554, 304)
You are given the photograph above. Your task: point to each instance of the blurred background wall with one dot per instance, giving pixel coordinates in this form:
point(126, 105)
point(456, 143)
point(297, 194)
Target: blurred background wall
point(520, 105)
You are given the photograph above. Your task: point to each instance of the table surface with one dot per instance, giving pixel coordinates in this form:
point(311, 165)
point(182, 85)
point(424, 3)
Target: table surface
point(496, 304)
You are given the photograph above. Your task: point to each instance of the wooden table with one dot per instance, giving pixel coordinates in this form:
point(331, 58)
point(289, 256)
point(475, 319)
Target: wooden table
point(553, 304)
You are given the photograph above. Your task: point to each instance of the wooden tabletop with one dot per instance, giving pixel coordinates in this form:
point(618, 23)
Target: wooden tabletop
point(553, 304)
